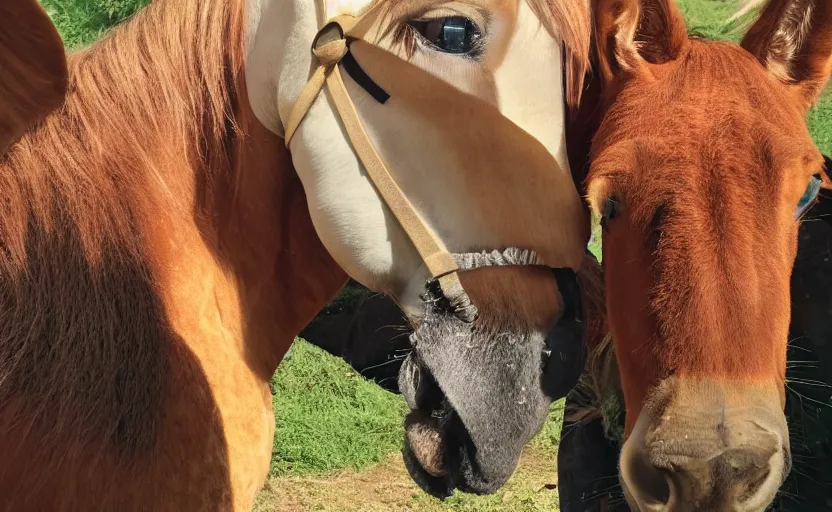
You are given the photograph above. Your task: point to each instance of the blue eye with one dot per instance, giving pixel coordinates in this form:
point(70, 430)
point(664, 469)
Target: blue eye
point(809, 197)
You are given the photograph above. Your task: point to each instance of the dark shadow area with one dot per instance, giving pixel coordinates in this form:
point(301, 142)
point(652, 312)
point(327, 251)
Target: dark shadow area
point(102, 405)
point(809, 373)
point(367, 330)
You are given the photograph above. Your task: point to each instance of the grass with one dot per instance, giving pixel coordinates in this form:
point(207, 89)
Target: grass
point(328, 417)
point(820, 123)
point(83, 21)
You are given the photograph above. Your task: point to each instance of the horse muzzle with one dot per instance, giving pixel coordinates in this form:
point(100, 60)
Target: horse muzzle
point(480, 390)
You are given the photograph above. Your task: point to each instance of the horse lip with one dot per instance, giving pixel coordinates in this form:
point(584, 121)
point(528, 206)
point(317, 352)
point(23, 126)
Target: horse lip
point(440, 456)
point(424, 439)
point(437, 486)
point(447, 381)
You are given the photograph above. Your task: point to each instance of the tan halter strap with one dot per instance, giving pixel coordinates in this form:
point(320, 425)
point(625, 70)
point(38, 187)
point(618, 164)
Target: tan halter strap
point(331, 48)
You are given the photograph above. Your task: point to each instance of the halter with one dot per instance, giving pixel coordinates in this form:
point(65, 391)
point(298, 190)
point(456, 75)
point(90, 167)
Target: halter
point(331, 47)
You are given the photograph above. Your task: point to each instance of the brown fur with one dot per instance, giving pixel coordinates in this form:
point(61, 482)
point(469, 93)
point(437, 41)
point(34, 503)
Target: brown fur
point(711, 236)
point(142, 288)
point(704, 149)
point(791, 39)
point(34, 77)
point(67, 312)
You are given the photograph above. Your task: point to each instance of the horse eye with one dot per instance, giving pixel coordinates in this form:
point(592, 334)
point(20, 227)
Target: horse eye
point(455, 34)
point(610, 208)
point(610, 211)
point(809, 196)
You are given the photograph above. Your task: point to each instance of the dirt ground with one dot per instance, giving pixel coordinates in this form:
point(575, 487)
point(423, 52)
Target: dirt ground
point(387, 487)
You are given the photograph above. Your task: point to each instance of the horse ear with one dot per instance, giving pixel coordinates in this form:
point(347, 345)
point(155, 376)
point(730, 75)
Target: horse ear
point(33, 80)
point(633, 33)
point(793, 40)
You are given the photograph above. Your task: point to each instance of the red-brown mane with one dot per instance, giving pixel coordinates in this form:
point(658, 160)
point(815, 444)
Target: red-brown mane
point(174, 62)
point(84, 343)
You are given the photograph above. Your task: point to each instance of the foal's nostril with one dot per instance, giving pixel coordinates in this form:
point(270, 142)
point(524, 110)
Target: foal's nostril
point(652, 484)
point(735, 476)
point(745, 469)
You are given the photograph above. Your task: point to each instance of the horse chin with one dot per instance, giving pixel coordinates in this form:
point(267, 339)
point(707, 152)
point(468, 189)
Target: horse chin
point(476, 398)
point(441, 456)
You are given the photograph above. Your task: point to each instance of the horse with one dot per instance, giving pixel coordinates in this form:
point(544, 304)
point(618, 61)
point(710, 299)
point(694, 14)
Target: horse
point(590, 443)
point(33, 60)
point(701, 171)
point(207, 186)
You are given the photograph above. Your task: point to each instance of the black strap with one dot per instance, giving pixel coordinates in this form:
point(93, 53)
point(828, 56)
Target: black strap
point(828, 166)
point(355, 71)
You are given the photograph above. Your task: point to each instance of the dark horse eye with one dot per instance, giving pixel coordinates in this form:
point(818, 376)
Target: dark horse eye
point(809, 197)
point(454, 34)
point(610, 210)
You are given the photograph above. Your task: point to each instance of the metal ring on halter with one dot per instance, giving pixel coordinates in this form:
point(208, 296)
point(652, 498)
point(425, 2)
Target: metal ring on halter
point(325, 35)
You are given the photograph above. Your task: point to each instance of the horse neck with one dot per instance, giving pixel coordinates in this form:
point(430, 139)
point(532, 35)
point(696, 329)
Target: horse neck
point(273, 275)
point(261, 228)
point(157, 152)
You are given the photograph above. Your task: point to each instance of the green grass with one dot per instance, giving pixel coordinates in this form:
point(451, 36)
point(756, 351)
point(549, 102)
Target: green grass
point(83, 21)
point(706, 18)
point(328, 417)
point(820, 123)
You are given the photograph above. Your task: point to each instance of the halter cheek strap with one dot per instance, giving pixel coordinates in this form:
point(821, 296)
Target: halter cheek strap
point(331, 48)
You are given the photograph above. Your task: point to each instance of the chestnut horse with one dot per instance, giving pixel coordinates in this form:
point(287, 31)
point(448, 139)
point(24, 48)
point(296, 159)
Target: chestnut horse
point(33, 63)
point(701, 170)
point(161, 246)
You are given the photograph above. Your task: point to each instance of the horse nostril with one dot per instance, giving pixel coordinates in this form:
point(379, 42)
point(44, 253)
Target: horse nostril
point(650, 483)
point(747, 469)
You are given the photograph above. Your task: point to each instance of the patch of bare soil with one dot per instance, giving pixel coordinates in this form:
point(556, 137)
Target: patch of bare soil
point(387, 487)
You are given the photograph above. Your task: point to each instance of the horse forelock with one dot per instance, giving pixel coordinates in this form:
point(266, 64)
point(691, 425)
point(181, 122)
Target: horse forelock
point(84, 338)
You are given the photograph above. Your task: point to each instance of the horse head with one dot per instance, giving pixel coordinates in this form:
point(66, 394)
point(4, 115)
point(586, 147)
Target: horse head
point(438, 156)
point(701, 171)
